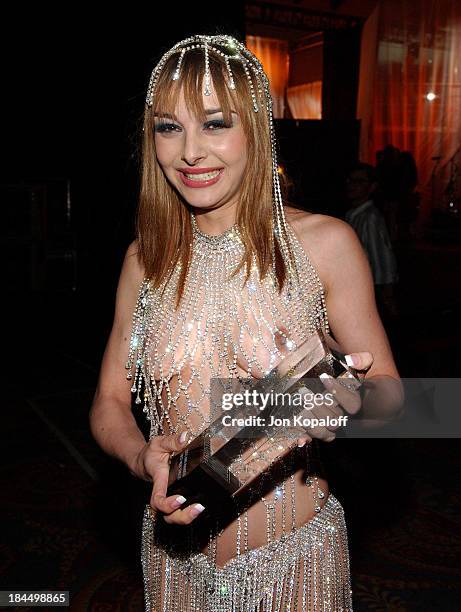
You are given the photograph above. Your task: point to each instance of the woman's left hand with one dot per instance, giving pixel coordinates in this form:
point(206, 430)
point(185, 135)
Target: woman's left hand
point(346, 400)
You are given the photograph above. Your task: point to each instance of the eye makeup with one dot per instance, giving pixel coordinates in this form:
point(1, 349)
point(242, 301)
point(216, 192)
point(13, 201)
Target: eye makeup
point(165, 126)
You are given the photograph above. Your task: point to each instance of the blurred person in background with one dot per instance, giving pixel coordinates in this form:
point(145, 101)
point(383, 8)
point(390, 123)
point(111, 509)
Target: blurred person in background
point(369, 223)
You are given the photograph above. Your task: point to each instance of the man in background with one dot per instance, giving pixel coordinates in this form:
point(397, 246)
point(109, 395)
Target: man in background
point(370, 226)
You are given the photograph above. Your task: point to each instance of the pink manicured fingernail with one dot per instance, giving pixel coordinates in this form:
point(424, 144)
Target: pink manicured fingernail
point(183, 437)
point(351, 360)
point(180, 500)
point(196, 509)
point(301, 444)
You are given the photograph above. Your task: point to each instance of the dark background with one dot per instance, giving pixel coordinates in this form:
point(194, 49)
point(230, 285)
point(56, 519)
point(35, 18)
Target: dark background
point(77, 79)
point(74, 86)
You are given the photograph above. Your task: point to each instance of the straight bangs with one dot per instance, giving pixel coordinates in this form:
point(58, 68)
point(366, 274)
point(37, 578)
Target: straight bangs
point(192, 82)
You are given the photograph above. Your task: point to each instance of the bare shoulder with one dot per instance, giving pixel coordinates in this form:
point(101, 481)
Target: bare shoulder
point(330, 243)
point(132, 256)
point(131, 277)
point(132, 265)
point(112, 383)
point(320, 230)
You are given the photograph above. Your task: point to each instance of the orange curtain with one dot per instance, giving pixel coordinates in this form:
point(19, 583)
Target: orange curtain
point(273, 55)
point(305, 101)
point(410, 87)
point(368, 56)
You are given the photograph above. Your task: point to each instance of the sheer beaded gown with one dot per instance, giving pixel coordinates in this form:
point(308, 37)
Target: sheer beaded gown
point(288, 549)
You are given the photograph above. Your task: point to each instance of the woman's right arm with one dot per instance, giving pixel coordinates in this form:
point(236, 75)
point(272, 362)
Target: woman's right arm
point(111, 419)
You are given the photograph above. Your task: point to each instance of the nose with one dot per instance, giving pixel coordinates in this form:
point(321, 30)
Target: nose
point(194, 149)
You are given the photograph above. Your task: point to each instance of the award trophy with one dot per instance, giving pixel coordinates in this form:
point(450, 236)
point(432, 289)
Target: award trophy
point(240, 444)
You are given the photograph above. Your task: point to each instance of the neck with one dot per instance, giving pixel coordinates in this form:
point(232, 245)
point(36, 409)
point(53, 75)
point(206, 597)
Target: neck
point(216, 221)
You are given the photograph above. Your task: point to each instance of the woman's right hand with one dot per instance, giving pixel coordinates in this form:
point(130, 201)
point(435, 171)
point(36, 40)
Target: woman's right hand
point(153, 462)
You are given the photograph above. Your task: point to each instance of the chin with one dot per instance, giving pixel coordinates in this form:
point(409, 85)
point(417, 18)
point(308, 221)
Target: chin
point(201, 202)
point(205, 207)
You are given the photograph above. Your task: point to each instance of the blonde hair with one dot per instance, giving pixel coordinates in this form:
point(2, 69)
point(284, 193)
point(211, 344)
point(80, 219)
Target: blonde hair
point(163, 224)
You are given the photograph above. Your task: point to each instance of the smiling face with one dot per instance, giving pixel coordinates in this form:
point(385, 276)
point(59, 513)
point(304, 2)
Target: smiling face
point(204, 160)
point(220, 164)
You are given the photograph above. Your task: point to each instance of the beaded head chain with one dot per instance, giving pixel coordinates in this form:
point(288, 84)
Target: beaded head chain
point(233, 51)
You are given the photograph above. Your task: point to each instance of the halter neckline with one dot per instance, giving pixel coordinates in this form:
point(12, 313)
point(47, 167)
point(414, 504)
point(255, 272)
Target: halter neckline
point(229, 236)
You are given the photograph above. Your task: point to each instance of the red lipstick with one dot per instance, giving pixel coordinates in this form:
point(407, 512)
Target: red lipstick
point(199, 183)
point(197, 170)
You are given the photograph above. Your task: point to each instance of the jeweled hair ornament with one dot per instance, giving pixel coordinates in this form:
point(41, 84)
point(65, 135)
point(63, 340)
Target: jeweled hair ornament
point(232, 50)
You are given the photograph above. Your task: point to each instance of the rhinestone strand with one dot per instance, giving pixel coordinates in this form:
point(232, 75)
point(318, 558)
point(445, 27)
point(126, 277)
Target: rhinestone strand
point(312, 559)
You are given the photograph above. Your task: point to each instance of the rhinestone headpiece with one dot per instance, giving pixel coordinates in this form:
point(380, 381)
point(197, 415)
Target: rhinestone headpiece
point(232, 50)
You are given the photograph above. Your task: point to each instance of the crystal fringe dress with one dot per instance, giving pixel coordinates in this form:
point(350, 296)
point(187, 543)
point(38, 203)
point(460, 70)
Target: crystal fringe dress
point(226, 327)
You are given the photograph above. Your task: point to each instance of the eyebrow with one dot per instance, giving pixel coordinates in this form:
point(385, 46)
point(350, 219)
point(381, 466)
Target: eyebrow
point(208, 111)
point(213, 111)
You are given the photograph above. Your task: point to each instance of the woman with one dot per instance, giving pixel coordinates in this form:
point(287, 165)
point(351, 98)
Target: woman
point(221, 279)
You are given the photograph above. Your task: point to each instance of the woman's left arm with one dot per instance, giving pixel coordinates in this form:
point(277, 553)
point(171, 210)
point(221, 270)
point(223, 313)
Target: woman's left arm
point(354, 321)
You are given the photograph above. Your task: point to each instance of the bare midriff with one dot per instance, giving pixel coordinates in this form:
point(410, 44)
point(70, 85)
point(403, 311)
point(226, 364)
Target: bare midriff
point(304, 512)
